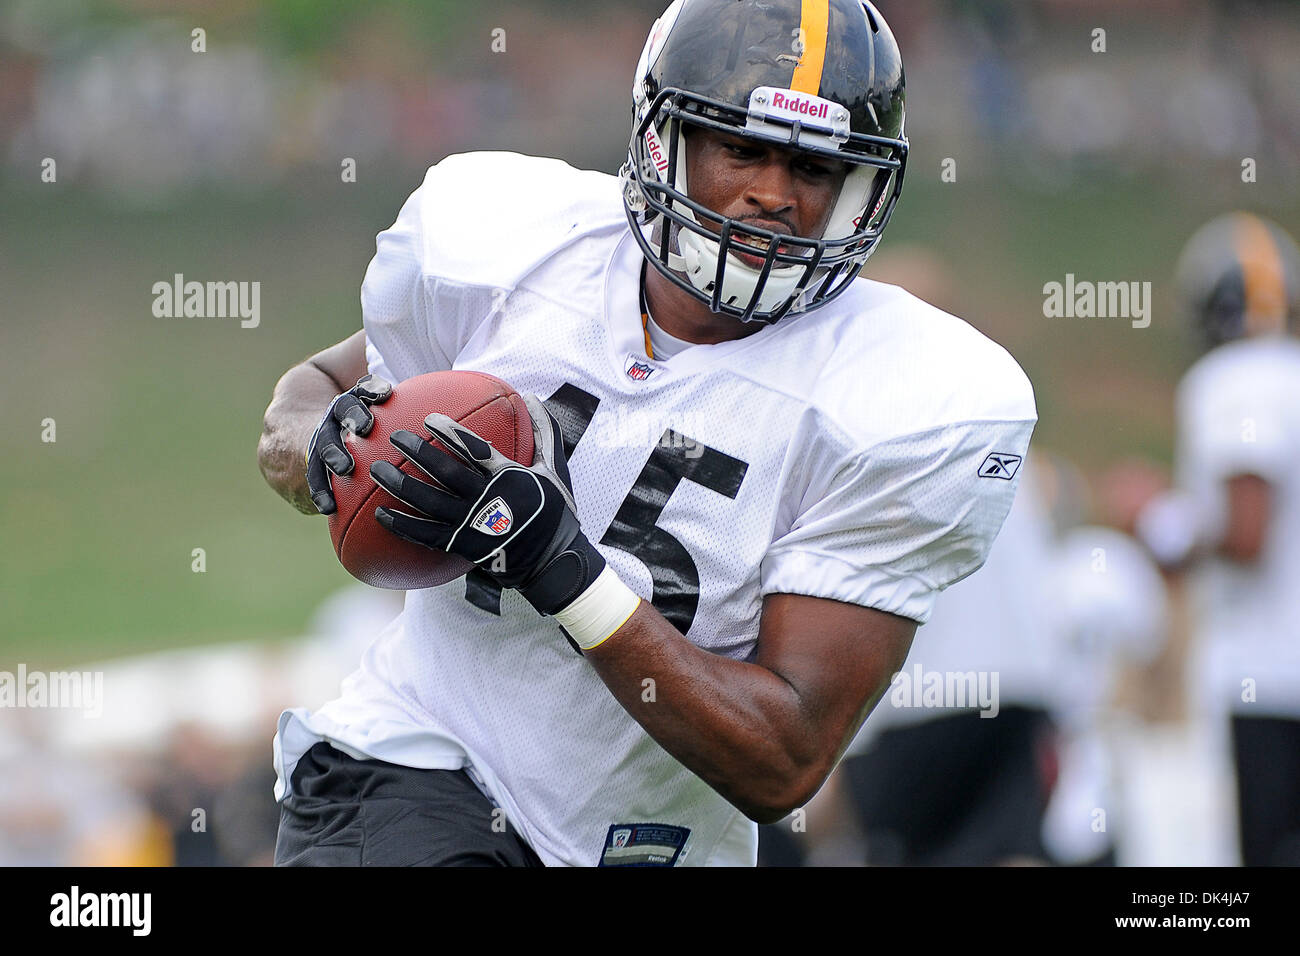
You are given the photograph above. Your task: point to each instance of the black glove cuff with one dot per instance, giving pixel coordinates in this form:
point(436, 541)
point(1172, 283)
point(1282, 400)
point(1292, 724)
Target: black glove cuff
point(564, 577)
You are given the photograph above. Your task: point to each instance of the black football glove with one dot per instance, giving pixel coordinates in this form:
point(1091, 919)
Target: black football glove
point(351, 410)
point(517, 524)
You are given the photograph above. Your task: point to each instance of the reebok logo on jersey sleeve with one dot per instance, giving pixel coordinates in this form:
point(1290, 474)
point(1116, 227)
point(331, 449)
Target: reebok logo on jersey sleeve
point(1000, 465)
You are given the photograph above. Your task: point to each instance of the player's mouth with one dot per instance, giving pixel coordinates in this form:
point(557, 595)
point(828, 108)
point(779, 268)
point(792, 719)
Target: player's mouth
point(755, 260)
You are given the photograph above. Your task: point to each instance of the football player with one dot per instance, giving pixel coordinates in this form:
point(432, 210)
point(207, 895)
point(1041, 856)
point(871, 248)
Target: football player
point(754, 471)
point(1234, 521)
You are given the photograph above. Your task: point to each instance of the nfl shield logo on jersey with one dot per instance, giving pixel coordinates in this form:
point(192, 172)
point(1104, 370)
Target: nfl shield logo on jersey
point(637, 369)
point(621, 837)
point(494, 519)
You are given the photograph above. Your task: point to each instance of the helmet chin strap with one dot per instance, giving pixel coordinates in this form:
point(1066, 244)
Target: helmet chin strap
point(699, 264)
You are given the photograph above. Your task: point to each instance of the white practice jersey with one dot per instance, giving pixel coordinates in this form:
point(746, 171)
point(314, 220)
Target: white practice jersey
point(1239, 413)
point(866, 452)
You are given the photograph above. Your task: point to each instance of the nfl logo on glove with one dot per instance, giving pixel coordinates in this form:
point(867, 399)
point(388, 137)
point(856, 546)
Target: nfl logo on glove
point(494, 519)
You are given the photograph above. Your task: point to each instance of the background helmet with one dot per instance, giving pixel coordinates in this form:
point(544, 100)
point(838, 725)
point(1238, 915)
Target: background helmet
point(1239, 276)
point(823, 76)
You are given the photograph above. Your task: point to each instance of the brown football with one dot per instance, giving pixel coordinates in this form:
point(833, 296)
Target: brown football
point(481, 402)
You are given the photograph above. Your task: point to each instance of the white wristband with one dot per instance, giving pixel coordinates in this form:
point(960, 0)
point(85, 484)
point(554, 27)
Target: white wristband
point(598, 611)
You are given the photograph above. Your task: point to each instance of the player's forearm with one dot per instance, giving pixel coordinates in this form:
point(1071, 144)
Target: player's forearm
point(740, 727)
point(300, 400)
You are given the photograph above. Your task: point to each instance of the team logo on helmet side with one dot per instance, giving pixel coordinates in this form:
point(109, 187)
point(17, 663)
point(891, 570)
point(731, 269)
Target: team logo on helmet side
point(663, 26)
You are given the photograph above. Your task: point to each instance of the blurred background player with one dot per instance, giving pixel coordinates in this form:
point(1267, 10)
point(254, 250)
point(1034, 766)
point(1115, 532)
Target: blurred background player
point(1233, 521)
point(1111, 613)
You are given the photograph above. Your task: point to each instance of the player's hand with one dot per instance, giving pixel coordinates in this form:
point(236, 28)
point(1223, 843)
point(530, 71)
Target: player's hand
point(351, 410)
point(518, 524)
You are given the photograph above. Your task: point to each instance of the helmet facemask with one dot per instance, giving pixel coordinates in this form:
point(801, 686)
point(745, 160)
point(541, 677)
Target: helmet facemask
point(798, 273)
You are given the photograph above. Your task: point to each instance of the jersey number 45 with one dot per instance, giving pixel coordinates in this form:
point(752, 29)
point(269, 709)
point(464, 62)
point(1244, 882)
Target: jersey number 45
point(635, 528)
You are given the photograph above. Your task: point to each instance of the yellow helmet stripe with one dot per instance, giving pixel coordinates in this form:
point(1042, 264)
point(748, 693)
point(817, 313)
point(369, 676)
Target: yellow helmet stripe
point(1263, 277)
point(813, 26)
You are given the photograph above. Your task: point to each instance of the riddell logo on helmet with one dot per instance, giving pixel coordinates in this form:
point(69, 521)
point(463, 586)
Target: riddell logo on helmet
point(657, 154)
point(799, 104)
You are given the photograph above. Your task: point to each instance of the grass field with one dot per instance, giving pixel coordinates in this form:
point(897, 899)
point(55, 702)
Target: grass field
point(158, 419)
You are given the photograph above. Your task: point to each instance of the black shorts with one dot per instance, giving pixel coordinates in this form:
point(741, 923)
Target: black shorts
point(346, 812)
point(1267, 752)
point(957, 790)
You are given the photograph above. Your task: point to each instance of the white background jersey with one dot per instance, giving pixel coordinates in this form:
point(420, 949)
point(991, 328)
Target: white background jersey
point(838, 454)
point(1113, 610)
point(1239, 413)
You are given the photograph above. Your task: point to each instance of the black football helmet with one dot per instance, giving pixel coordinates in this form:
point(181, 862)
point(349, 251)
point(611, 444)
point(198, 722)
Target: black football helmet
point(824, 76)
point(1238, 277)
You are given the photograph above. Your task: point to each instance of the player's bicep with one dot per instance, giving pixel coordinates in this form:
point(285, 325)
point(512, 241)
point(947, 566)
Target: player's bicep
point(837, 657)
